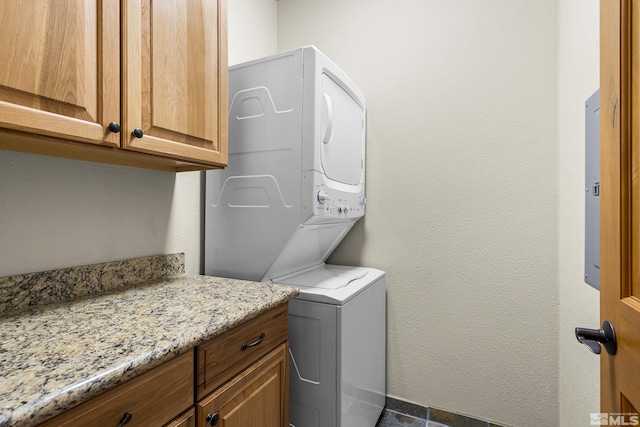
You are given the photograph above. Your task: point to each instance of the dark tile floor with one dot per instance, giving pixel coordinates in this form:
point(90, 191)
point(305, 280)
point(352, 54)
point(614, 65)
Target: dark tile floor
point(398, 413)
point(391, 418)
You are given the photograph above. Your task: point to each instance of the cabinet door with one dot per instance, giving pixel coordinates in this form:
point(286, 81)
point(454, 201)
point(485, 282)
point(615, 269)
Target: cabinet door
point(259, 396)
point(175, 79)
point(60, 68)
point(188, 419)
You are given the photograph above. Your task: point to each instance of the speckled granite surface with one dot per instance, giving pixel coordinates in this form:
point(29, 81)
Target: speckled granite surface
point(55, 356)
point(25, 290)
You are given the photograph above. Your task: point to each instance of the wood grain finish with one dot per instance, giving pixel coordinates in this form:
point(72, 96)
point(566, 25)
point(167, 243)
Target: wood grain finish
point(610, 218)
point(60, 68)
point(36, 144)
point(153, 398)
point(188, 419)
point(619, 204)
point(175, 86)
point(631, 132)
point(71, 67)
point(256, 397)
point(222, 358)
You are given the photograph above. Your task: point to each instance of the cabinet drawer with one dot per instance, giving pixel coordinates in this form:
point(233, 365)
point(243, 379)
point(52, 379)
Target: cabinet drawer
point(257, 397)
point(153, 398)
point(225, 356)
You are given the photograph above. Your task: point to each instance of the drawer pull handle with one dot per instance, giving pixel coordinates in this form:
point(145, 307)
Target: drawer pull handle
point(255, 343)
point(125, 418)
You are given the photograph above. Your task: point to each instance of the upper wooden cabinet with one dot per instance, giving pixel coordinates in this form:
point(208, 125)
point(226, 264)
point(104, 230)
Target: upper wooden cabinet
point(157, 69)
point(60, 68)
point(175, 78)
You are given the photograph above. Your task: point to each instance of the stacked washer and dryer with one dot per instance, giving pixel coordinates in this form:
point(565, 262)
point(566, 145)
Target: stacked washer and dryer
point(293, 189)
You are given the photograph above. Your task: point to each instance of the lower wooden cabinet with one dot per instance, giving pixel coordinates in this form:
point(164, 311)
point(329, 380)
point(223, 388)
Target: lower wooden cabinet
point(188, 419)
point(225, 356)
point(154, 398)
point(238, 379)
point(258, 396)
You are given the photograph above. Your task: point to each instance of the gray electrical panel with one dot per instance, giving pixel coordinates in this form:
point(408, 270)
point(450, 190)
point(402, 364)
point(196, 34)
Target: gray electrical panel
point(592, 192)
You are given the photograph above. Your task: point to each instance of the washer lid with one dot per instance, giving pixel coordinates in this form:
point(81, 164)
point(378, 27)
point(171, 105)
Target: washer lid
point(332, 284)
point(343, 134)
point(309, 247)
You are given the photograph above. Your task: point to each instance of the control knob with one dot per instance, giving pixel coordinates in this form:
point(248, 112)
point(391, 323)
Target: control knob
point(322, 196)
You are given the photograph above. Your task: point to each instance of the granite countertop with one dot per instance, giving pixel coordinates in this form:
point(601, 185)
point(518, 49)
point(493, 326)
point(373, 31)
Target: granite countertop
point(55, 356)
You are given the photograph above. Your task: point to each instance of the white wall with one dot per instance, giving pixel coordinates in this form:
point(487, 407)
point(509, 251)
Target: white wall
point(252, 29)
point(462, 192)
point(578, 78)
point(57, 213)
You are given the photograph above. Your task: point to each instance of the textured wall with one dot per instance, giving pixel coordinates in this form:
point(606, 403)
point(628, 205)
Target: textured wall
point(462, 192)
point(252, 29)
point(578, 78)
point(57, 213)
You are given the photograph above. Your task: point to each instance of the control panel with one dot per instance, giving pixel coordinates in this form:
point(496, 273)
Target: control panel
point(592, 192)
point(337, 204)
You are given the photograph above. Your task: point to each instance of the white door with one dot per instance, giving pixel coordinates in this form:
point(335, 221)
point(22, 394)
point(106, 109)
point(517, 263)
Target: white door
point(343, 134)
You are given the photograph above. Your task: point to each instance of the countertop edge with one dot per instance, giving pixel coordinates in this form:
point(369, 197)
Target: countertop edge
point(78, 392)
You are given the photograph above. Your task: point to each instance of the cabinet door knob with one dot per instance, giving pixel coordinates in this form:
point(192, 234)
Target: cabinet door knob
point(114, 127)
point(213, 419)
point(125, 418)
point(137, 132)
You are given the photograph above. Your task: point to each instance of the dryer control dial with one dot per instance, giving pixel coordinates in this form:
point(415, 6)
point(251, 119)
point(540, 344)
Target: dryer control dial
point(322, 196)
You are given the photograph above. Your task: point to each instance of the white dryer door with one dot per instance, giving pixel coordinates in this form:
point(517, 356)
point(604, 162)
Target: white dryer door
point(343, 134)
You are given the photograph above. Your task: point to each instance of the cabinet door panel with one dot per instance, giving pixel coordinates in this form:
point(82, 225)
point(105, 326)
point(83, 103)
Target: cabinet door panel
point(176, 79)
point(257, 397)
point(178, 100)
point(188, 419)
point(60, 68)
point(261, 407)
